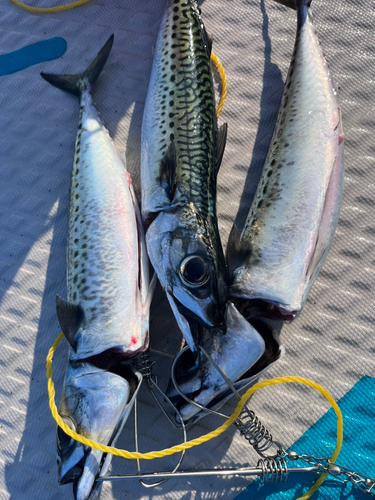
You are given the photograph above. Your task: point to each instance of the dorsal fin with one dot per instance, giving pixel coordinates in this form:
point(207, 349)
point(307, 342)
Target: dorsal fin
point(71, 318)
point(220, 145)
point(167, 170)
point(208, 41)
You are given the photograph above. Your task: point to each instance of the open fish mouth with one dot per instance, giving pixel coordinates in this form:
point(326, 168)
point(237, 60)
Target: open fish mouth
point(257, 309)
point(246, 351)
point(96, 404)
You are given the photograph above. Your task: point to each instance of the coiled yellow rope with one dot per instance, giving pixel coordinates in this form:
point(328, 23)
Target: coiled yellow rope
point(195, 442)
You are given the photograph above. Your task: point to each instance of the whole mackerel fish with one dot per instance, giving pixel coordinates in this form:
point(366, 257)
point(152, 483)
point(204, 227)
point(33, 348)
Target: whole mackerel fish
point(181, 154)
point(293, 217)
point(106, 316)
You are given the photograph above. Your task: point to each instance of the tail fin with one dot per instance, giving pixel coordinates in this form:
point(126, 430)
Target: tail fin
point(293, 4)
point(76, 83)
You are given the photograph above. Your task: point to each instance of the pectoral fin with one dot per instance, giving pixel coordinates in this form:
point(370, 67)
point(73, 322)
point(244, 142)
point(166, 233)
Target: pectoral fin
point(167, 171)
point(236, 252)
point(71, 318)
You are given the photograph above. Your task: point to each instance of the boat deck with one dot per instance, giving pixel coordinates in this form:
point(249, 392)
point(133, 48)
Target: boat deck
point(332, 342)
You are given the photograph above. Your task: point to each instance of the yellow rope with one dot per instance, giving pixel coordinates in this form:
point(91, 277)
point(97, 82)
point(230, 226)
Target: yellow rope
point(190, 444)
point(195, 442)
point(48, 10)
point(220, 67)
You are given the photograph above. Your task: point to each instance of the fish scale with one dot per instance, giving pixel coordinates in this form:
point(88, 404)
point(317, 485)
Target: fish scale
point(106, 316)
point(182, 110)
point(295, 210)
point(181, 153)
point(102, 240)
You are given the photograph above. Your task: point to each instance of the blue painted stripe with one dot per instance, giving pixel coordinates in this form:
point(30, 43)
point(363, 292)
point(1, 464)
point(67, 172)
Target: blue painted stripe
point(358, 451)
point(36, 53)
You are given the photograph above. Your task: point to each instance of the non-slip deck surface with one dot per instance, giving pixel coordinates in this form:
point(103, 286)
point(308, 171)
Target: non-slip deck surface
point(331, 342)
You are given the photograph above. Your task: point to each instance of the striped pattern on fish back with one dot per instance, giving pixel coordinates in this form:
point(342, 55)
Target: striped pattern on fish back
point(184, 106)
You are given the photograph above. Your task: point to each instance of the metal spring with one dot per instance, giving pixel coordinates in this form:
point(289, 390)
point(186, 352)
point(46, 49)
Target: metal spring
point(253, 430)
point(273, 470)
point(144, 365)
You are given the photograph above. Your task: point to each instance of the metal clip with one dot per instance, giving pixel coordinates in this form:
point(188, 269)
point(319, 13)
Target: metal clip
point(340, 472)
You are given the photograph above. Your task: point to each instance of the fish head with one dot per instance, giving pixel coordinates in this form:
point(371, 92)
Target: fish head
point(190, 268)
point(234, 353)
point(95, 404)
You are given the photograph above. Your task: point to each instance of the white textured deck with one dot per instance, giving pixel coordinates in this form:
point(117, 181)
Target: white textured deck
point(332, 342)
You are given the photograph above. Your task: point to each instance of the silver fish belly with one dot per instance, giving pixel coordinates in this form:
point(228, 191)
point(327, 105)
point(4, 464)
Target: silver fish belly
point(106, 315)
point(103, 245)
point(295, 211)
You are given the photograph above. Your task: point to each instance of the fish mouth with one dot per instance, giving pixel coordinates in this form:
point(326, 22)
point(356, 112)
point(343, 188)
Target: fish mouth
point(78, 463)
point(111, 358)
point(214, 317)
point(187, 371)
point(84, 486)
point(75, 474)
point(258, 308)
point(187, 321)
point(70, 466)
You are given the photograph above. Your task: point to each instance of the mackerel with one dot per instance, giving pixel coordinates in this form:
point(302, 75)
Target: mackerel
point(293, 217)
point(107, 267)
point(106, 315)
point(181, 153)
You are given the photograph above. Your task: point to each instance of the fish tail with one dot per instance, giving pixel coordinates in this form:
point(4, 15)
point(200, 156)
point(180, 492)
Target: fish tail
point(294, 4)
point(75, 84)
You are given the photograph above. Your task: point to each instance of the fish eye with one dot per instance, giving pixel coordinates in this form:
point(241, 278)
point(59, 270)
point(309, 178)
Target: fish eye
point(194, 271)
